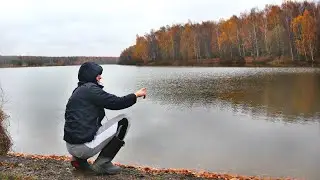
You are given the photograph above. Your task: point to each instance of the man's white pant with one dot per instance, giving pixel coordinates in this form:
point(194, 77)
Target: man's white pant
point(104, 135)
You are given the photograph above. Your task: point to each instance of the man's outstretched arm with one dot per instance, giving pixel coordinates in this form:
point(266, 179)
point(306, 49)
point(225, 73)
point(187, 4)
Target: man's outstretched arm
point(113, 102)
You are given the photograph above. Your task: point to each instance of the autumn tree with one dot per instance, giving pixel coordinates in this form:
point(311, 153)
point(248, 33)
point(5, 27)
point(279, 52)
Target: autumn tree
point(304, 28)
point(317, 19)
point(153, 46)
point(214, 43)
point(186, 42)
point(206, 38)
point(246, 36)
point(290, 10)
point(174, 36)
point(141, 49)
point(229, 38)
point(291, 30)
point(275, 31)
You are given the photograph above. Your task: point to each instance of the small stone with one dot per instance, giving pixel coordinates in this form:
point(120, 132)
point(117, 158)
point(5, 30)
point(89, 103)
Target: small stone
point(21, 165)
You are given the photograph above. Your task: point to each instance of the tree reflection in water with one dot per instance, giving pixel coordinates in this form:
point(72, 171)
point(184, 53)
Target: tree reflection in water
point(289, 97)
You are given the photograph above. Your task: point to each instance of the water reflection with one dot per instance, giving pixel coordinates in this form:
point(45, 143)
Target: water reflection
point(291, 97)
point(208, 112)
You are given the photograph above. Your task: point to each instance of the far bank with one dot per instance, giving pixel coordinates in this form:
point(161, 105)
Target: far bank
point(217, 62)
point(35, 61)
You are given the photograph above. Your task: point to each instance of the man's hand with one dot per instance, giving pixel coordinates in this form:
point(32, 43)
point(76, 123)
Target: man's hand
point(141, 93)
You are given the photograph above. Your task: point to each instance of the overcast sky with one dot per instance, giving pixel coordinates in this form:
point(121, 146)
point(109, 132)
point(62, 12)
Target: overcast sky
point(99, 27)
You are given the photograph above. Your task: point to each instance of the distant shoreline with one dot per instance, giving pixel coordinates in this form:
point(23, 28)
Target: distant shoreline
point(41, 61)
point(177, 66)
point(247, 62)
point(46, 61)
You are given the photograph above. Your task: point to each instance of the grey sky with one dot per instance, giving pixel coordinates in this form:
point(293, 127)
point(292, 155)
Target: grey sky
point(99, 27)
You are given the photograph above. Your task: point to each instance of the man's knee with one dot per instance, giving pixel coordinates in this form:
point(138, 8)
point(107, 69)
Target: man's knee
point(124, 122)
point(122, 129)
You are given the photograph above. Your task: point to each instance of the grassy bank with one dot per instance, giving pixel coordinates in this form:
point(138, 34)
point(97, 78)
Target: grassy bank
point(58, 167)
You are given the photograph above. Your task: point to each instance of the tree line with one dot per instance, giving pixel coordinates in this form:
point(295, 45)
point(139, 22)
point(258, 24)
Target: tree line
point(289, 32)
point(16, 61)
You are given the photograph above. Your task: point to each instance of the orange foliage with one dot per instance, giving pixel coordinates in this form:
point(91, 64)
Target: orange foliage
point(304, 28)
point(289, 30)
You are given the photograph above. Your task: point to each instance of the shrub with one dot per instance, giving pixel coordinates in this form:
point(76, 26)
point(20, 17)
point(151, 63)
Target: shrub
point(5, 141)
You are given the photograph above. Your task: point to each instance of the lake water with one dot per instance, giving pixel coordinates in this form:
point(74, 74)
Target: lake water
point(251, 121)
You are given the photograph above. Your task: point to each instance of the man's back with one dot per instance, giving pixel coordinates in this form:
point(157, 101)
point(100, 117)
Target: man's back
point(82, 116)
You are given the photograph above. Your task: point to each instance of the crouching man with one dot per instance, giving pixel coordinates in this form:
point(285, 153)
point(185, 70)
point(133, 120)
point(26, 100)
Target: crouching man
point(84, 133)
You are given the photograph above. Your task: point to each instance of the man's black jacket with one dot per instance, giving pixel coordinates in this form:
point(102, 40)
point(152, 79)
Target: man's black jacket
point(85, 111)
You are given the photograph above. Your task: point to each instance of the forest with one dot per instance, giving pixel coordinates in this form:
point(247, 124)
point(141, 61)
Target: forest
point(20, 61)
point(286, 34)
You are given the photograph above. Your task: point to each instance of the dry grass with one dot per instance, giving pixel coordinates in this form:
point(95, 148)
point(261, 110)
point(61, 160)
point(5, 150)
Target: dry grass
point(5, 141)
point(8, 176)
point(58, 167)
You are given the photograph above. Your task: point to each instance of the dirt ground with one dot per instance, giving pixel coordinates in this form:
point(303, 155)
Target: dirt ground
point(19, 166)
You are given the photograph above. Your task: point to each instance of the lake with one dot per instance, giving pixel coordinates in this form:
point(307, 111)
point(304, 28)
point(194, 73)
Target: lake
point(250, 121)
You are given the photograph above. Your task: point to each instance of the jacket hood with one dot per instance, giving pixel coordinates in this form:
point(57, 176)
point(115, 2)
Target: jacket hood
point(88, 72)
